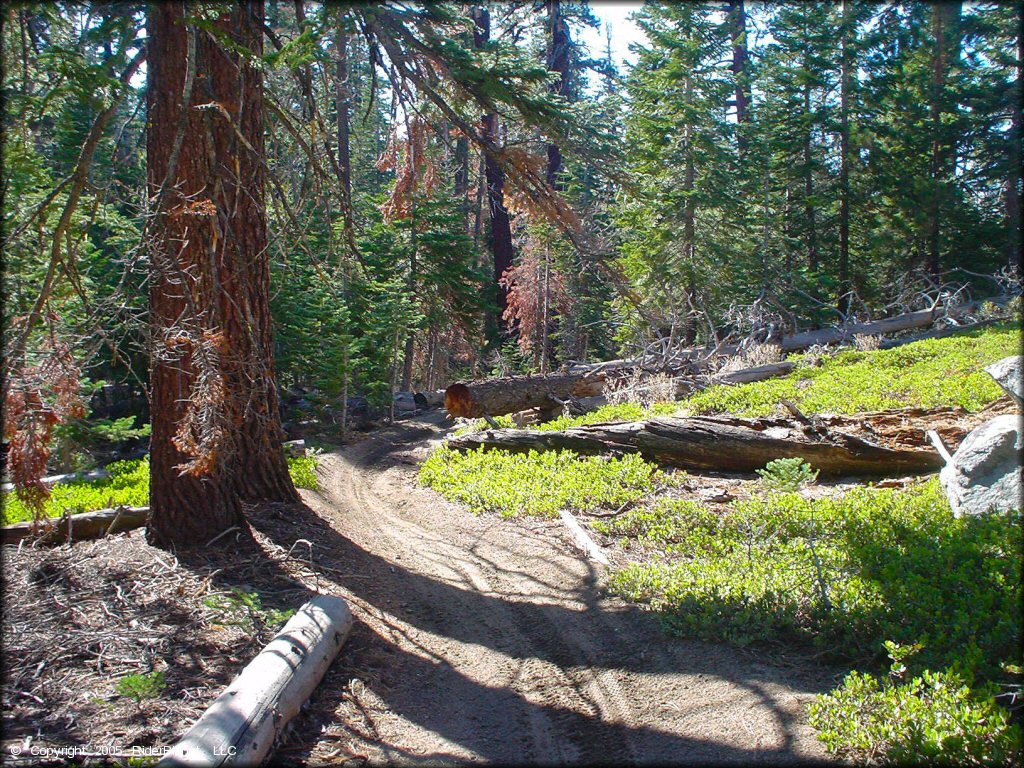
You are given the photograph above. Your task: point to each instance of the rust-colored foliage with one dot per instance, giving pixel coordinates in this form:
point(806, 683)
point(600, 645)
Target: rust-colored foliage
point(36, 399)
point(526, 284)
point(531, 194)
point(205, 431)
point(417, 172)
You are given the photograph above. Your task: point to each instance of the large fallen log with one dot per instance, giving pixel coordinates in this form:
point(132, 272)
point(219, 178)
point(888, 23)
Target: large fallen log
point(517, 393)
point(716, 443)
point(241, 726)
point(87, 525)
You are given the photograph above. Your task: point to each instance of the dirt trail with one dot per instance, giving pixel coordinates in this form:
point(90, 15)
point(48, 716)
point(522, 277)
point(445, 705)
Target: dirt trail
point(481, 639)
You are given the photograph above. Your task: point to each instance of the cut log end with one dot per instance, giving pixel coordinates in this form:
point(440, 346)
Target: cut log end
point(458, 401)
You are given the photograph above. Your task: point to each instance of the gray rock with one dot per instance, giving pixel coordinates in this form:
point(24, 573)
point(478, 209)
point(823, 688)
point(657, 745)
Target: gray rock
point(985, 473)
point(1009, 374)
point(295, 448)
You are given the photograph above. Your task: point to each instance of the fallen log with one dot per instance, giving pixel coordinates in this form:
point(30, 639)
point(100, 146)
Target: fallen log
point(496, 397)
point(758, 373)
point(241, 726)
point(87, 525)
point(716, 443)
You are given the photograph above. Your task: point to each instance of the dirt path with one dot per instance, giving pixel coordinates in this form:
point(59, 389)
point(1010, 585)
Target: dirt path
point(482, 639)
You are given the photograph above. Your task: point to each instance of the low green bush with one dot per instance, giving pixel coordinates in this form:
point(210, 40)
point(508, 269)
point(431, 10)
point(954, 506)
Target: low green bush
point(873, 569)
point(243, 608)
point(848, 573)
point(142, 686)
point(536, 483)
point(929, 374)
point(127, 485)
point(934, 718)
point(787, 474)
point(303, 471)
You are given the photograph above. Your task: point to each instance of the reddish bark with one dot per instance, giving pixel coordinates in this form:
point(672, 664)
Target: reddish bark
point(214, 402)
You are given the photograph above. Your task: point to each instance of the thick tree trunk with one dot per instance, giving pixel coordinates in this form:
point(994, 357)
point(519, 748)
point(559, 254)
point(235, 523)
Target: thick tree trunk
point(501, 228)
point(720, 443)
point(213, 402)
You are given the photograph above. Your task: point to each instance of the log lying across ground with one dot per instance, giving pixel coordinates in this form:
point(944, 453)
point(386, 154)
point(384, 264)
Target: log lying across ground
point(87, 525)
point(241, 726)
point(721, 443)
point(517, 393)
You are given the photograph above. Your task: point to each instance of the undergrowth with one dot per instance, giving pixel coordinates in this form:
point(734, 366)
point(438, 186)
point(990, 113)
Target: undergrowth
point(872, 570)
point(929, 374)
point(537, 483)
point(127, 485)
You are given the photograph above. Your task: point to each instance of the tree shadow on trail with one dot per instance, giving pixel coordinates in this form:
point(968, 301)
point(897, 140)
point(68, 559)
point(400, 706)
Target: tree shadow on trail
point(489, 718)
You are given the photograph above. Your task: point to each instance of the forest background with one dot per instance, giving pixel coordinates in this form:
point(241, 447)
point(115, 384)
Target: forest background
point(760, 167)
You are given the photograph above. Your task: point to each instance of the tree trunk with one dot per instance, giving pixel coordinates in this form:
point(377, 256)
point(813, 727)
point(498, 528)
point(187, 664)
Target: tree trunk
point(845, 84)
point(945, 16)
point(213, 397)
point(737, 20)
point(809, 209)
point(343, 107)
point(719, 443)
point(501, 228)
point(558, 60)
point(1015, 235)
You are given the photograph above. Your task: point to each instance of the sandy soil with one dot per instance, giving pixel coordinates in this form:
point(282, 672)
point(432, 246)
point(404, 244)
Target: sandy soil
point(482, 639)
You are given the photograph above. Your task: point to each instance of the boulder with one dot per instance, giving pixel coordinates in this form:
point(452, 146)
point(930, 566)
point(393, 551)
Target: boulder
point(985, 473)
point(1009, 373)
point(295, 448)
point(405, 401)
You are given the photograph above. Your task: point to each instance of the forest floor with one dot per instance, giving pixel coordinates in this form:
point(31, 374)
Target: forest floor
point(478, 638)
point(489, 639)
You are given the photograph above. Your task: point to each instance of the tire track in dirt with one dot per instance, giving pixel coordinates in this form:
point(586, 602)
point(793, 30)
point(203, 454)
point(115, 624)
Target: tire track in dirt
point(503, 647)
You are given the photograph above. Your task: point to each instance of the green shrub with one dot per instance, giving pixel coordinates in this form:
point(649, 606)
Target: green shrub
point(848, 573)
point(127, 485)
point(536, 483)
point(929, 374)
point(787, 474)
point(932, 718)
point(303, 471)
point(142, 686)
point(243, 608)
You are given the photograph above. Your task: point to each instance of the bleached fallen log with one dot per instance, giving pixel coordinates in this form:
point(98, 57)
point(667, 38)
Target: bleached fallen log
point(242, 725)
point(583, 540)
point(50, 480)
point(87, 525)
point(431, 398)
point(757, 373)
point(722, 443)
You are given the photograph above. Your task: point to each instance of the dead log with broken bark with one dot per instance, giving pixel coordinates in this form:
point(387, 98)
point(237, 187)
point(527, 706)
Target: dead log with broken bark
point(87, 525)
point(721, 443)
